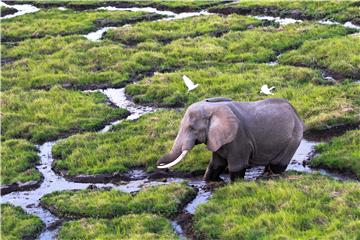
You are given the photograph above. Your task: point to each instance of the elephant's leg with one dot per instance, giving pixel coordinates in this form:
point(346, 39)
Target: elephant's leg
point(280, 163)
point(237, 174)
point(216, 166)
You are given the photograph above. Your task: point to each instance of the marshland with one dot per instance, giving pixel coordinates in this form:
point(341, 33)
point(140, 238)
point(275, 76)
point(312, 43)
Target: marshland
point(92, 96)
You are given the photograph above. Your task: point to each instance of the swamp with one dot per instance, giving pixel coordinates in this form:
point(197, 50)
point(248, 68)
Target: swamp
point(93, 93)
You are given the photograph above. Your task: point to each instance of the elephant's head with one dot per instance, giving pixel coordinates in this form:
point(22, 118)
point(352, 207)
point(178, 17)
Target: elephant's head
point(211, 122)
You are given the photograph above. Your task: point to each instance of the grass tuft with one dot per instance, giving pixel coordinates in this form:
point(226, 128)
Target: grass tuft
point(341, 153)
point(165, 200)
point(18, 160)
point(40, 115)
point(141, 226)
point(17, 224)
point(293, 207)
point(340, 55)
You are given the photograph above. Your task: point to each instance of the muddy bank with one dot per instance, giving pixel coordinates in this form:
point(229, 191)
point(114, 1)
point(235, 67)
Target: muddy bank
point(120, 4)
point(329, 132)
point(20, 186)
point(273, 11)
point(327, 73)
point(7, 11)
point(270, 11)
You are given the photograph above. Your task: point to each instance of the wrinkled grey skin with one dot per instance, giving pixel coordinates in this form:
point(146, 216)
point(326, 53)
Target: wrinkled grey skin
point(240, 135)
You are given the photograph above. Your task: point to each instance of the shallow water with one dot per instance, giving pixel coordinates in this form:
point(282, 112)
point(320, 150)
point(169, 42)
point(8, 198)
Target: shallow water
point(281, 21)
point(22, 9)
point(97, 35)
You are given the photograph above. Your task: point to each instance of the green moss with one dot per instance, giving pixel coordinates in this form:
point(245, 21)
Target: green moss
point(131, 144)
point(74, 62)
point(143, 226)
point(40, 115)
point(341, 153)
point(165, 31)
point(334, 10)
point(295, 207)
point(165, 200)
point(17, 224)
point(57, 22)
point(338, 55)
point(18, 160)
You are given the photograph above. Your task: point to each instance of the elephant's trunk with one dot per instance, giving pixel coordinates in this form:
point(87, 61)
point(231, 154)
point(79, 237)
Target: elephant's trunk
point(183, 143)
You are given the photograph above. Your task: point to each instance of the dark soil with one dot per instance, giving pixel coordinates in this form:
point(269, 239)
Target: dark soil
point(20, 186)
point(329, 132)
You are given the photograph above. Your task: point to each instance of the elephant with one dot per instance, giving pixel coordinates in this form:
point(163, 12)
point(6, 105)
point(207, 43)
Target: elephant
point(239, 135)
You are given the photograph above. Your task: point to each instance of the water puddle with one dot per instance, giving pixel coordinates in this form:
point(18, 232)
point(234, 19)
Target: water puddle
point(21, 9)
point(97, 35)
point(279, 20)
point(119, 99)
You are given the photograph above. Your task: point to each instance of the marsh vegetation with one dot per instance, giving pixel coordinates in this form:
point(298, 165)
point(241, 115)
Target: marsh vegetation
point(47, 62)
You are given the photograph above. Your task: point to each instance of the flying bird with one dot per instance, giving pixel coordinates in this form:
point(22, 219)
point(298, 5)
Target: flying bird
point(266, 90)
point(190, 85)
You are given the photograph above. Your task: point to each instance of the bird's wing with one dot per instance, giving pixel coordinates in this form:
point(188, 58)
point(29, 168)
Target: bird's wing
point(264, 88)
point(188, 82)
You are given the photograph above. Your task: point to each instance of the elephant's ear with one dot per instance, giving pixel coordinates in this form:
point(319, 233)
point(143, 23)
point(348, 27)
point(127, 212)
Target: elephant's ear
point(223, 128)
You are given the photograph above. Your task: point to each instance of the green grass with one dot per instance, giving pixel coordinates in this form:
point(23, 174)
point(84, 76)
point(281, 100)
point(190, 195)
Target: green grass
point(17, 224)
point(40, 115)
point(242, 82)
point(74, 61)
point(338, 55)
point(137, 143)
point(294, 207)
point(335, 10)
point(18, 160)
point(165, 200)
point(261, 44)
point(132, 227)
point(341, 153)
point(57, 22)
point(165, 31)
point(176, 6)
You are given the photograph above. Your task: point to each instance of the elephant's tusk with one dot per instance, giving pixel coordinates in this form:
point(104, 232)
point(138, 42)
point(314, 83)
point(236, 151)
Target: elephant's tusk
point(175, 161)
